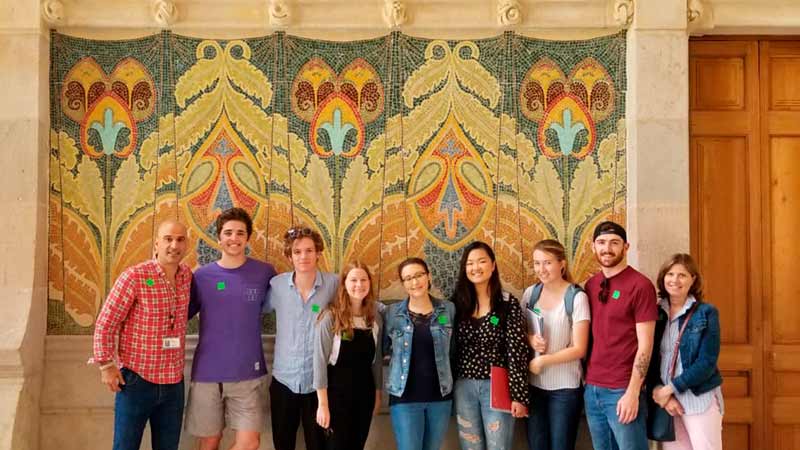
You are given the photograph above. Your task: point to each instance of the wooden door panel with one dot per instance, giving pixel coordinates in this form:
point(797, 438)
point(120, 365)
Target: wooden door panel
point(787, 437)
point(785, 207)
point(725, 174)
point(784, 90)
point(722, 162)
point(718, 83)
point(735, 436)
point(780, 138)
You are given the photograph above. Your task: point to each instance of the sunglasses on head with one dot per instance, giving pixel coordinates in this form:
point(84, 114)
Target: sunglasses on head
point(604, 288)
point(296, 232)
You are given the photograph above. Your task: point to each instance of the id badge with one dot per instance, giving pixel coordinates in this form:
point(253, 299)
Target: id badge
point(168, 343)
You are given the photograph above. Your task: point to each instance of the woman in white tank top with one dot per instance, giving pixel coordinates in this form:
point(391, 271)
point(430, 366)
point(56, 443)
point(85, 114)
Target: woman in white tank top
point(556, 372)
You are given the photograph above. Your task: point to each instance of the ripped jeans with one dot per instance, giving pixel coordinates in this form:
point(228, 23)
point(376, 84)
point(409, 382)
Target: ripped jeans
point(479, 426)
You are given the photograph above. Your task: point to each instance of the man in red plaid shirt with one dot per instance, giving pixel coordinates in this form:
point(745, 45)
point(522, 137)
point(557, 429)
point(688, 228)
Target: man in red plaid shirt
point(147, 310)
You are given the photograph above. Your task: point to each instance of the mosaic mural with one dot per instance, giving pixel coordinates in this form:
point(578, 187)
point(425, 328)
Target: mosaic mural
point(391, 147)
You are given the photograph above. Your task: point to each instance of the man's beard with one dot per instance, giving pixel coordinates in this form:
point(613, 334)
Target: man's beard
point(613, 263)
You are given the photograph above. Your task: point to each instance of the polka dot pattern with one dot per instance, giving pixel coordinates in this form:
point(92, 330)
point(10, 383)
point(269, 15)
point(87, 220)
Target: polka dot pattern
point(496, 339)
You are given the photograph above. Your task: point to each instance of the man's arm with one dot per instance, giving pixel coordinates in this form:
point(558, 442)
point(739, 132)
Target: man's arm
point(114, 311)
point(628, 405)
point(194, 300)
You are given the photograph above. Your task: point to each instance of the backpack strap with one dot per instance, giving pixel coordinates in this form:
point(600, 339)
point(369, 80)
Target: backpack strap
point(536, 292)
point(569, 300)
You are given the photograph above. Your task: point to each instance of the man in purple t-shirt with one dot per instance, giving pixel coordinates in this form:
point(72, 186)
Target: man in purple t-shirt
point(624, 312)
point(229, 373)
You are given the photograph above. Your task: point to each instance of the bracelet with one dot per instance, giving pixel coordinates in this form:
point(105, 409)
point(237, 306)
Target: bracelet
point(107, 365)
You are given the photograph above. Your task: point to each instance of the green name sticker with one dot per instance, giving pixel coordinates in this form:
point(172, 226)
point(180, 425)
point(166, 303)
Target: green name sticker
point(149, 282)
point(315, 308)
point(615, 295)
point(494, 320)
point(537, 311)
point(443, 320)
point(220, 285)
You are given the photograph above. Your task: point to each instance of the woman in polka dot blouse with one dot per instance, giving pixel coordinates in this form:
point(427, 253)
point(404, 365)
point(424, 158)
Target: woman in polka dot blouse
point(489, 332)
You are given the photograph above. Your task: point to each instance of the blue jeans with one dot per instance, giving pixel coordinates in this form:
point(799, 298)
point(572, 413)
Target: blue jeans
point(607, 432)
point(553, 418)
point(420, 426)
point(140, 401)
point(479, 426)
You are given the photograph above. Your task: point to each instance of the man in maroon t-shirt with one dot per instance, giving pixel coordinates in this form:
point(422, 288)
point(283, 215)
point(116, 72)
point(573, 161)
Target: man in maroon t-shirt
point(624, 311)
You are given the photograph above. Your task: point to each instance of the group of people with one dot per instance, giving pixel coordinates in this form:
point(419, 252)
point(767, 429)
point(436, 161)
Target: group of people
point(611, 348)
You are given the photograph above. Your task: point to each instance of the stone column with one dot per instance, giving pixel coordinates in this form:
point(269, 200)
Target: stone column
point(658, 133)
point(24, 123)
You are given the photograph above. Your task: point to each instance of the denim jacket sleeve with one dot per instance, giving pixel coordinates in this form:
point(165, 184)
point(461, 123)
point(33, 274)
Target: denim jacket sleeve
point(708, 353)
point(387, 341)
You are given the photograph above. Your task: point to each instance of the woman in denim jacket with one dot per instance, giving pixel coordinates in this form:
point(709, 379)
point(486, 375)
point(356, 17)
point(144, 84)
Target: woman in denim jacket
point(418, 334)
point(693, 397)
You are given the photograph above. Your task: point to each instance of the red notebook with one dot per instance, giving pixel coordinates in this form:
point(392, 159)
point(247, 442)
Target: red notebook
point(499, 394)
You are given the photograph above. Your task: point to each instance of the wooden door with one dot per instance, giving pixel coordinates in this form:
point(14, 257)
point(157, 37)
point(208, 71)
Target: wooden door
point(726, 198)
point(780, 144)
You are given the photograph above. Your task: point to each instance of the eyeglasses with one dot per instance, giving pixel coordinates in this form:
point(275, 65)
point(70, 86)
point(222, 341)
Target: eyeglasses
point(604, 285)
point(296, 232)
point(417, 276)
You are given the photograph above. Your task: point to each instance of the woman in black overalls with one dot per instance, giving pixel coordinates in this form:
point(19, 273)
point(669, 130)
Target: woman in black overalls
point(347, 361)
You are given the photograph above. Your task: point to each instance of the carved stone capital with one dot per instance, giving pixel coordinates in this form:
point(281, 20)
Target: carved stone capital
point(165, 12)
point(53, 12)
point(623, 13)
point(279, 14)
point(394, 13)
point(699, 15)
point(509, 12)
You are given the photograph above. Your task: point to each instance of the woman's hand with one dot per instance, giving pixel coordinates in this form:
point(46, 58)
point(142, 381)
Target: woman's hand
point(377, 407)
point(537, 342)
point(323, 416)
point(662, 394)
point(674, 407)
point(519, 410)
point(537, 364)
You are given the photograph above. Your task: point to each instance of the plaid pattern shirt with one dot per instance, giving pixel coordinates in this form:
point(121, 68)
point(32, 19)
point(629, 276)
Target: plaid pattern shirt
point(142, 309)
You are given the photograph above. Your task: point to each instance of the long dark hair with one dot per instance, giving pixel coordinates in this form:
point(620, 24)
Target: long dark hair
point(465, 296)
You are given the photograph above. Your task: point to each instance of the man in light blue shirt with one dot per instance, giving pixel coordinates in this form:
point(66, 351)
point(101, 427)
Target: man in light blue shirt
point(297, 298)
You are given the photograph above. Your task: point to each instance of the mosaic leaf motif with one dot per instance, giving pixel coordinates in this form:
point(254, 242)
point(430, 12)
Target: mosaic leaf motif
point(223, 78)
point(466, 85)
point(390, 148)
point(136, 241)
point(81, 269)
point(363, 193)
point(590, 191)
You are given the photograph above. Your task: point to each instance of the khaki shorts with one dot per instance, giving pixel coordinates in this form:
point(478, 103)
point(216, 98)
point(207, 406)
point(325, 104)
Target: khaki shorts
point(241, 405)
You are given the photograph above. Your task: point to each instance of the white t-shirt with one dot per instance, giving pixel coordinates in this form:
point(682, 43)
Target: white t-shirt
point(558, 334)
